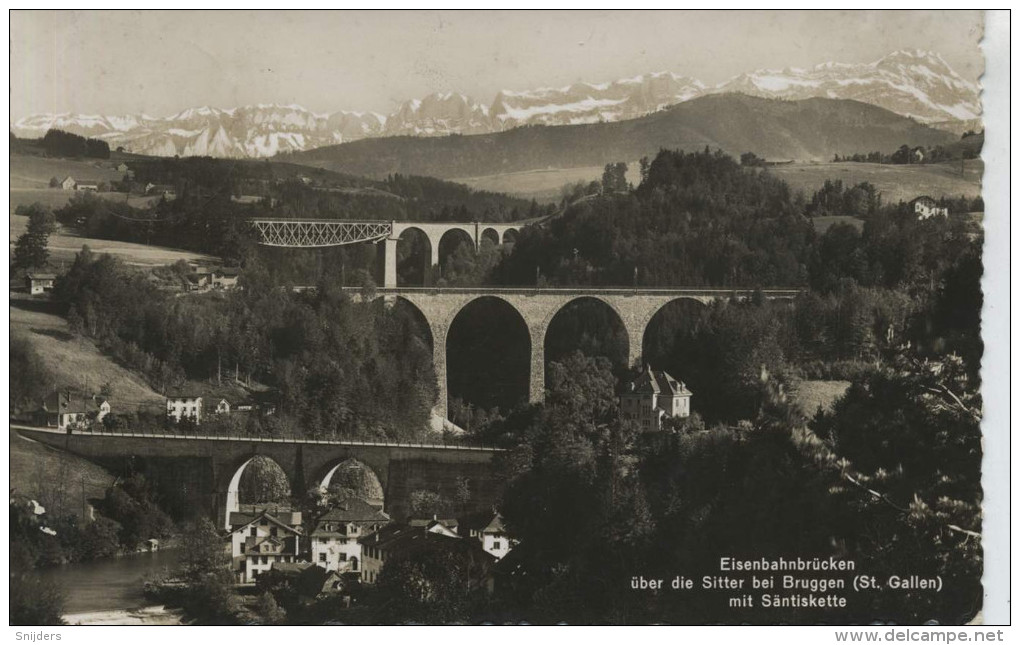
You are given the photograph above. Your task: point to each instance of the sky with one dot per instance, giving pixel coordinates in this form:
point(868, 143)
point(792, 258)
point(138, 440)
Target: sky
point(159, 63)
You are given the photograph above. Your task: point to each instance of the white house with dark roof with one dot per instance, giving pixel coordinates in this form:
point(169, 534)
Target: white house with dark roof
point(258, 541)
point(38, 283)
point(334, 541)
point(652, 397)
point(488, 529)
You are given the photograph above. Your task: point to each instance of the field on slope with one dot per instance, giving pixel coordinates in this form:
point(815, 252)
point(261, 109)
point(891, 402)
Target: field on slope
point(544, 186)
point(70, 359)
point(895, 182)
point(63, 245)
point(30, 180)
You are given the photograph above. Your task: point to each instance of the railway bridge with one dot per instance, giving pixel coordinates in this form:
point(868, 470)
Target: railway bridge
point(536, 308)
point(321, 233)
point(203, 473)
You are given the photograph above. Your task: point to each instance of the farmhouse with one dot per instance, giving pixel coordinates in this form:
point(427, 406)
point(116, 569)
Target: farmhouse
point(653, 397)
point(39, 282)
point(68, 183)
point(63, 410)
point(87, 186)
point(925, 207)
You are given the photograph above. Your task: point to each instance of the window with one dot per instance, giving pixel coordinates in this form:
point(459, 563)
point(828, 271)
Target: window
point(497, 545)
point(354, 564)
point(242, 547)
point(343, 557)
point(265, 559)
point(254, 531)
point(323, 540)
point(322, 557)
point(273, 531)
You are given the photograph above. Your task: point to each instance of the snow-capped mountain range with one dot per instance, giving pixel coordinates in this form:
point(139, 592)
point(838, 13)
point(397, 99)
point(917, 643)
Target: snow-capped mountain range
point(918, 84)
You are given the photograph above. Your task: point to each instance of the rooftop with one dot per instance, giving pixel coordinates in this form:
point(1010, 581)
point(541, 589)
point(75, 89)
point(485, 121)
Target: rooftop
point(657, 382)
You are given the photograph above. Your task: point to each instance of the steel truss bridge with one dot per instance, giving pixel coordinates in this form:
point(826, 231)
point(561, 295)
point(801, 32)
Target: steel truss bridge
point(311, 233)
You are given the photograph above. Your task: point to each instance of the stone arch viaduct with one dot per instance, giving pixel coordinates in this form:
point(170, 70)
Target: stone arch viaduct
point(201, 473)
point(634, 307)
point(537, 306)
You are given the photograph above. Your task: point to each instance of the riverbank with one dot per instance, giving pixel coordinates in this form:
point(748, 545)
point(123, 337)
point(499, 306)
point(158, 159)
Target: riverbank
point(154, 615)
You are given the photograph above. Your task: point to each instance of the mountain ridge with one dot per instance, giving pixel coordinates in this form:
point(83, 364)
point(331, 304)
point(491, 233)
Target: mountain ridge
point(916, 83)
point(806, 129)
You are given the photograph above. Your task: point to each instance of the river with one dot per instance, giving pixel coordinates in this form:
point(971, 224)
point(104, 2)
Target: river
point(108, 584)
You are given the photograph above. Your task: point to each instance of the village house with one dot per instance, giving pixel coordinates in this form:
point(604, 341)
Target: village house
point(653, 397)
point(223, 407)
point(181, 406)
point(87, 186)
point(38, 283)
point(258, 541)
point(225, 277)
point(122, 167)
point(65, 410)
point(925, 207)
point(403, 540)
point(488, 529)
point(68, 183)
point(334, 540)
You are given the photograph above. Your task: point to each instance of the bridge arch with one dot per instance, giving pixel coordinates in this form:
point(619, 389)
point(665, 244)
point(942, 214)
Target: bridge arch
point(590, 324)
point(447, 244)
point(490, 235)
point(233, 492)
point(493, 334)
point(510, 235)
point(416, 255)
point(349, 473)
point(670, 323)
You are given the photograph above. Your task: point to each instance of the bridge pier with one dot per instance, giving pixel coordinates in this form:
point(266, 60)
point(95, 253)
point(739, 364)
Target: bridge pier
point(390, 262)
point(536, 382)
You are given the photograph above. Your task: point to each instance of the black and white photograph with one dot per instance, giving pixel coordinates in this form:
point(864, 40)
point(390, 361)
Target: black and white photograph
point(454, 317)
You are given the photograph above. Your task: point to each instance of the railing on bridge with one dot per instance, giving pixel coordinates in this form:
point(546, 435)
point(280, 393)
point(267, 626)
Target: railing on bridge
point(777, 292)
point(245, 438)
point(295, 233)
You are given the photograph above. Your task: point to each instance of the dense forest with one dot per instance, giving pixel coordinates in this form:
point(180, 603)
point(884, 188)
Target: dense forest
point(342, 368)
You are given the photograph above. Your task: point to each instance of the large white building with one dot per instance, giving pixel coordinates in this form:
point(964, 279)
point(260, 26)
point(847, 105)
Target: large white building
point(182, 406)
point(653, 397)
point(334, 541)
